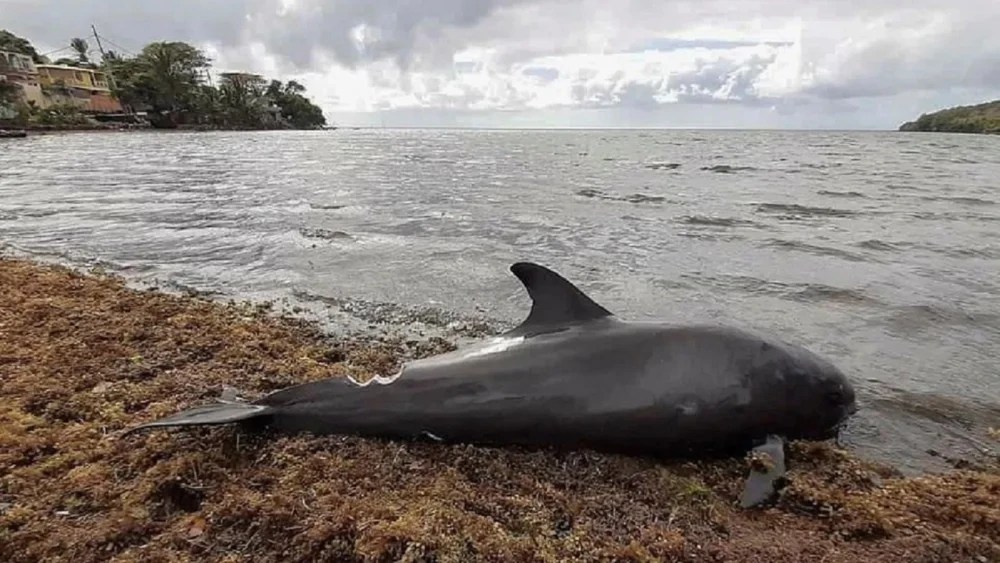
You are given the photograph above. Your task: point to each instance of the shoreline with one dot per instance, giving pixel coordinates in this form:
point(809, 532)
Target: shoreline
point(35, 130)
point(83, 357)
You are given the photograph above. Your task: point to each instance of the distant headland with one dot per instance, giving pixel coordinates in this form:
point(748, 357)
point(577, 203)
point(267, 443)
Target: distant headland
point(980, 118)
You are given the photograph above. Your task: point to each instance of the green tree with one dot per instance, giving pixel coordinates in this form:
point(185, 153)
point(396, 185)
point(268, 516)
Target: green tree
point(81, 48)
point(243, 98)
point(164, 79)
point(980, 118)
point(109, 57)
point(13, 43)
point(174, 71)
point(296, 109)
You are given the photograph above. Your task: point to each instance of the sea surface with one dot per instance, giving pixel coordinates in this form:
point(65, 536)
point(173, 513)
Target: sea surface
point(878, 250)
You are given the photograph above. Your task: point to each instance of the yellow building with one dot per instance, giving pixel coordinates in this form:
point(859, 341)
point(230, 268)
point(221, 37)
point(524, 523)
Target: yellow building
point(21, 70)
point(83, 87)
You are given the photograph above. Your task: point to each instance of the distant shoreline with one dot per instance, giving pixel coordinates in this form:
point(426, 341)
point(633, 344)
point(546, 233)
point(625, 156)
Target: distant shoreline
point(34, 130)
point(983, 119)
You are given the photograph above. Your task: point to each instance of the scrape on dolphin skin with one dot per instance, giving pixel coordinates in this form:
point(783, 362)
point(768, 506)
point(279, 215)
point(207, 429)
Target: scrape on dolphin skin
point(572, 375)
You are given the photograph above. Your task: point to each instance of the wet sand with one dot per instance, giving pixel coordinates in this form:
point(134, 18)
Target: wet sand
point(83, 357)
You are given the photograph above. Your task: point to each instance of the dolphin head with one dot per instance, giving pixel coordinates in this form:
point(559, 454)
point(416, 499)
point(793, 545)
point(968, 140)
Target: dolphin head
point(808, 393)
point(821, 397)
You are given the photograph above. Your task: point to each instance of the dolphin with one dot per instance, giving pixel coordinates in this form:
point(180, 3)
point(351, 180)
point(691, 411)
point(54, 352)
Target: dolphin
point(574, 375)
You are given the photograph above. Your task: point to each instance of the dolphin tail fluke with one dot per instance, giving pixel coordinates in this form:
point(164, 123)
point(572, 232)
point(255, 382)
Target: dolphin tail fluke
point(208, 415)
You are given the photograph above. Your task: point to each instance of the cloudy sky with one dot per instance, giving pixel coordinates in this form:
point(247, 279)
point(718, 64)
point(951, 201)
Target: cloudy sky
point(575, 63)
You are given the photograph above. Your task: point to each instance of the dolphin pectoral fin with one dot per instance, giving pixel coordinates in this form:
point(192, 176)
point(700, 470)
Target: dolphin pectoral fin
point(767, 466)
point(554, 300)
point(207, 415)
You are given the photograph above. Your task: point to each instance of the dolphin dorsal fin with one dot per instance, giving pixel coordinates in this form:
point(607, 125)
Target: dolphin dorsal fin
point(554, 300)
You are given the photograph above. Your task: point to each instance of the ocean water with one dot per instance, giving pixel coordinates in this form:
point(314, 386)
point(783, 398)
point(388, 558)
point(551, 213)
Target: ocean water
point(880, 251)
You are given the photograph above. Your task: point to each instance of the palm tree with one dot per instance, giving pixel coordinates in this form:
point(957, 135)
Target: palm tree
point(81, 48)
point(294, 87)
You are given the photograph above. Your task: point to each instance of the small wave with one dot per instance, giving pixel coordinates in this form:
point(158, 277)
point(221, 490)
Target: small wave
point(875, 244)
point(952, 216)
point(941, 409)
point(802, 292)
point(714, 221)
point(663, 166)
point(325, 234)
point(795, 211)
point(726, 169)
point(819, 166)
point(959, 199)
point(640, 198)
point(633, 198)
point(798, 246)
point(834, 193)
point(958, 252)
point(910, 318)
point(895, 187)
point(327, 206)
point(701, 235)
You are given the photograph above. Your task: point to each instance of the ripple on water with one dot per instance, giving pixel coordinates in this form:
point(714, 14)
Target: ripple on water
point(911, 319)
point(960, 200)
point(940, 408)
point(727, 169)
point(709, 221)
point(835, 193)
point(953, 216)
point(801, 292)
point(594, 193)
point(796, 211)
point(881, 245)
point(663, 166)
point(816, 250)
point(325, 234)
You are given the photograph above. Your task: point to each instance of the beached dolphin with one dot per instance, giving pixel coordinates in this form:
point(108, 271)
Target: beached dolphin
point(572, 375)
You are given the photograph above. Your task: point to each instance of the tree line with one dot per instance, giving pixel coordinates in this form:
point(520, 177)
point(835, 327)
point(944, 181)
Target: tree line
point(170, 81)
point(980, 118)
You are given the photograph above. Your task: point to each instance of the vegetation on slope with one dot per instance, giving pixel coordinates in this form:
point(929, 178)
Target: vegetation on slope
point(170, 81)
point(981, 118)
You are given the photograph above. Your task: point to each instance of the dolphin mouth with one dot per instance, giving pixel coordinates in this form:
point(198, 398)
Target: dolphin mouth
point(836, 428)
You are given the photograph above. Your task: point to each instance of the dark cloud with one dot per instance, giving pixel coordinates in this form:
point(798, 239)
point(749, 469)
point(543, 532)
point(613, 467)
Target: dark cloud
point(407, 31)
point(411, 32)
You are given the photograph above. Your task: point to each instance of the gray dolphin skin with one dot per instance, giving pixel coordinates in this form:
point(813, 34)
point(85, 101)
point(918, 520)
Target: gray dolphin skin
point(573, 375)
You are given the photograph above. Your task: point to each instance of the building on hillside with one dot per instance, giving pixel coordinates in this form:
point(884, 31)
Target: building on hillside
point(19, 69)
point(85, 88)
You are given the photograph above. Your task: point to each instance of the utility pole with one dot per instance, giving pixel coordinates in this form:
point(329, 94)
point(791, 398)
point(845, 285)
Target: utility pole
point(98, 39)
point(107, 67)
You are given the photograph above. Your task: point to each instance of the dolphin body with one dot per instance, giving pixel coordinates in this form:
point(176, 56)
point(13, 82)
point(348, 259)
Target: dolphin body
point(573, 375)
